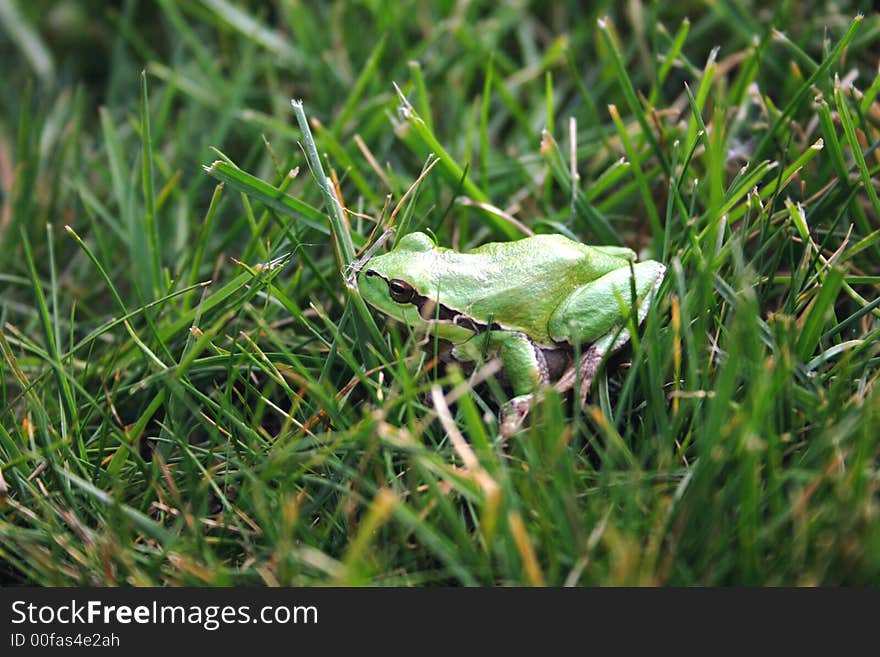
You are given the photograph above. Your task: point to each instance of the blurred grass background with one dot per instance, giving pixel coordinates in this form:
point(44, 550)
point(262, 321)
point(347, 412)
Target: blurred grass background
point(159, 430)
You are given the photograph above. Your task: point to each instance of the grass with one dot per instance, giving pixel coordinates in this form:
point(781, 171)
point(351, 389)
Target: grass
point(191, 395)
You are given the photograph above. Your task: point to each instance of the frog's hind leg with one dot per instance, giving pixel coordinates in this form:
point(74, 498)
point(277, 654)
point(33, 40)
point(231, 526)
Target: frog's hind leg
point(594, 311)
point(585, 371)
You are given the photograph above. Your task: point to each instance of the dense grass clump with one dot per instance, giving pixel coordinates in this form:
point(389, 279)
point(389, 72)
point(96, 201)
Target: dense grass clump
point(191, 394)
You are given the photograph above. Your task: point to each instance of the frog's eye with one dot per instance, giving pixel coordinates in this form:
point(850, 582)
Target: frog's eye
point(401, 291)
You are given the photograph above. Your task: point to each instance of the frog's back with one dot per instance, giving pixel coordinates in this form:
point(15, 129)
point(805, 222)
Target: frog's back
point(549, 255)
point(519, 284)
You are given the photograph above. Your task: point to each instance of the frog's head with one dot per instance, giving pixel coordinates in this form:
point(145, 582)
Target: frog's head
point(396, 283)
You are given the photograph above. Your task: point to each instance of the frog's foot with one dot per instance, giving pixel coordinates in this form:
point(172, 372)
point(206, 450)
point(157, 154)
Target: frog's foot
point(513, 414)
point(586, 371)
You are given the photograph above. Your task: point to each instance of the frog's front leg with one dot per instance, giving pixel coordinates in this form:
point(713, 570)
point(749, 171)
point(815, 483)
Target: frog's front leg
point(527, 370)
point(514, 412)
point(525, 365)
point(523, 361)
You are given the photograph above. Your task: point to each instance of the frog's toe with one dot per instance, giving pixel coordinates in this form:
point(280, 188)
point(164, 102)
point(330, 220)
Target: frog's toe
point(513, 414)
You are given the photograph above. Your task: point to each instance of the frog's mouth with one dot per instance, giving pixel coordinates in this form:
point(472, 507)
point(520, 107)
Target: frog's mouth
point(432, 311)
